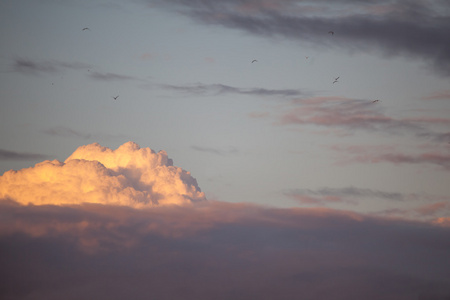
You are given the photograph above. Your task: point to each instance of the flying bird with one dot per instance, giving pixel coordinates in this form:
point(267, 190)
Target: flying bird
point(254, 60)
point(85, 28)
point(375, 101)
point(332, 32)
point(115, 98)
point(336, 79)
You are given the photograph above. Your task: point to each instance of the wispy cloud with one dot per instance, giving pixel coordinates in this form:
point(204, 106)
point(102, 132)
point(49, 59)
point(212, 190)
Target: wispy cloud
point(217, 151)
point(62, 131)
point(343, 112)
point(380, 154)
point(330, 196)
point(334, 195)
point(441, 95)
point(13, 155)
point(354, 115)
point(67, 132)
point(110, 76)
point(413, 28)
point(218, 89)
point(34, 67)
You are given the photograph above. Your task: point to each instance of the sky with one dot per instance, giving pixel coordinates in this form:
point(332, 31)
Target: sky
point(245, 149)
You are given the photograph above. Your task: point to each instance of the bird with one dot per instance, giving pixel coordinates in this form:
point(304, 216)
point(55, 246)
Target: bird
point(85, 28)
point(306, 57)
point(332, 32)
point(254, 60)
point(115, 98)
point(375, 101)
point(336, 79)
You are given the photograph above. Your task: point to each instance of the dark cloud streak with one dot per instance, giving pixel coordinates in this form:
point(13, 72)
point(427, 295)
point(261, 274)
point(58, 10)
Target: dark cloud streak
point(412, 28)
point(217, 151)
point(13, 155)
point(110, 76)
point(33, 67)
point(219, 89)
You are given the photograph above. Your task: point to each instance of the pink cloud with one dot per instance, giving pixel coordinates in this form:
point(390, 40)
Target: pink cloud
point(350, 115)
point(323, 200)
point(428, 120)
point(147, 56)
point(340, 112)
point(438, 95)
point(431, 209)
point(379, 154)
point(258, 115)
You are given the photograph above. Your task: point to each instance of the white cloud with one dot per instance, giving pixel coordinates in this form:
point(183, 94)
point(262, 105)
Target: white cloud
point(129, 176)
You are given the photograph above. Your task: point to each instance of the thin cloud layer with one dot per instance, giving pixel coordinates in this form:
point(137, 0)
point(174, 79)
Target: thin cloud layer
point(34, 67)
point(13, 155)
point(110, 76)
point(335, 195)
point(418, 29)
point(216, 151)
point(130, 176)
point(355, 115)
point(345, 113)
point(219, 89)
point(380, 154)
point(217, 250)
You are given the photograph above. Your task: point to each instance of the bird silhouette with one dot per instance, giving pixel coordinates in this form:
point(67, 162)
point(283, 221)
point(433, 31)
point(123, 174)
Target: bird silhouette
point(375, 101)
point(254, 60)
point(332, 32)
point(115, 98)
point(85, 28)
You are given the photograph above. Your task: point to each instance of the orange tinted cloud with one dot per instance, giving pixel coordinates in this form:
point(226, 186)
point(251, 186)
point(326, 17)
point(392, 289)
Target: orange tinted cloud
point(130, 176)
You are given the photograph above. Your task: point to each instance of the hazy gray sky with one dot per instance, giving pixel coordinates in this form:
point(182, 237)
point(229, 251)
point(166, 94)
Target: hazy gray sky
point(278, 132)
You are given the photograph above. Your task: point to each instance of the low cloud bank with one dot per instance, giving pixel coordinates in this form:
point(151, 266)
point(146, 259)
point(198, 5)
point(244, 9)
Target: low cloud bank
point(216, 250)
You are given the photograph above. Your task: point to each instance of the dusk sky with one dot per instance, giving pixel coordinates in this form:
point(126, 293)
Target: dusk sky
point(229, 149)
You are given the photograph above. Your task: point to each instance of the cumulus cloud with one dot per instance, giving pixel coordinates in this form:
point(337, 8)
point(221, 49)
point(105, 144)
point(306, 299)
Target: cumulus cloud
point(130, 176)
point(217, 250)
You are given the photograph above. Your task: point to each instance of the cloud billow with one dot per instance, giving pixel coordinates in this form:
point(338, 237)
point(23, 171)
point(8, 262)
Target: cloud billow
point(129, 176)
